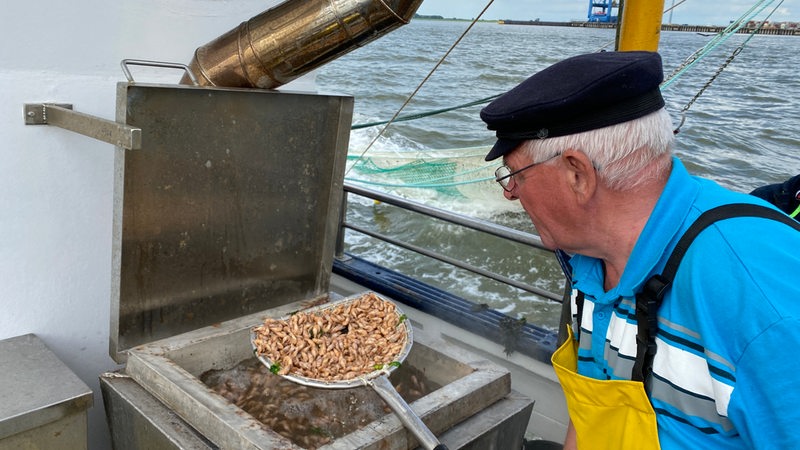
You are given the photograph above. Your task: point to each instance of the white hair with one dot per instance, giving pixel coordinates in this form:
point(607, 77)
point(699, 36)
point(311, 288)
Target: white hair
point(620, 152)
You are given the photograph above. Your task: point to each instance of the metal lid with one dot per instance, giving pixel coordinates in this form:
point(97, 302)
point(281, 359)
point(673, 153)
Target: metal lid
point(230, 207)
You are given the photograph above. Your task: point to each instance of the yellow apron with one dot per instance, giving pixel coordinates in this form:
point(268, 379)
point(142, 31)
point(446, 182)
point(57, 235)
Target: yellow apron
point(606, 414)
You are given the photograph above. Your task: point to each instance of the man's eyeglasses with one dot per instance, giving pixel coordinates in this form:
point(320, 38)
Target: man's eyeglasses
point(503, 175)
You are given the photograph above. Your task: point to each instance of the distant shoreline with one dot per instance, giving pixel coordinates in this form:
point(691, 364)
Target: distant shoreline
point(711, 29)
point(702, 29)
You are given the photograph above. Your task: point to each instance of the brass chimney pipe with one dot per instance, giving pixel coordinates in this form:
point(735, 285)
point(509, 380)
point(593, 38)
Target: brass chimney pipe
point(293, 38)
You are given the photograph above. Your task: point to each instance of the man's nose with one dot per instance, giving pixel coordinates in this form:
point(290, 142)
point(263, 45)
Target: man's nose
point(509, 195)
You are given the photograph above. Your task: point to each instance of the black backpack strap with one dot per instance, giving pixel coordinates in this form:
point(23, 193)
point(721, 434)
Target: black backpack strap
point(647, 303)
point(565, 319)
point(649, 299)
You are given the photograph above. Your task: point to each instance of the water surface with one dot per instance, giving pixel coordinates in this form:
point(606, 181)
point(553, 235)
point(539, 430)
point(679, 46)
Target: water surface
point(741, 132)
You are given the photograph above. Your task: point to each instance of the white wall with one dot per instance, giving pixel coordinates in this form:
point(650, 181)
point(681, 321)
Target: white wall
point(56, 186)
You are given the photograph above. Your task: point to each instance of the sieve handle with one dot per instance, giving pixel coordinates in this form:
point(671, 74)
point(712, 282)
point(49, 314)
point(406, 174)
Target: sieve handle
point(413, 423)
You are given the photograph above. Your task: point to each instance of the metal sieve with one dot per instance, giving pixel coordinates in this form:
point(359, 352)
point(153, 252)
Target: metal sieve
point(377, 379)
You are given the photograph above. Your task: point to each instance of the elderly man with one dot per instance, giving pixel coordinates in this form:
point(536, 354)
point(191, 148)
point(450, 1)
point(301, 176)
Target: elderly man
point(587, 151)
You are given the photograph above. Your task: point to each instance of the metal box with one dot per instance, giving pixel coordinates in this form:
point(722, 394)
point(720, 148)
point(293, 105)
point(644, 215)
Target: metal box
point(44, 404)
point(171, 371)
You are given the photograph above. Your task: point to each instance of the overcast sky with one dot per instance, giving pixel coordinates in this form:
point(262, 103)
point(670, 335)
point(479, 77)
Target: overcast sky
point(695, 12)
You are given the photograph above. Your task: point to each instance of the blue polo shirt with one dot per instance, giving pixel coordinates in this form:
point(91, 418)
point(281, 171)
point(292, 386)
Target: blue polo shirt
point(726, 373)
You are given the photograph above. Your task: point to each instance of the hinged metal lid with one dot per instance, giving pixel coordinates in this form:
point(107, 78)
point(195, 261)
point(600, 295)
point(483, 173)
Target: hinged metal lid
point(230, 206)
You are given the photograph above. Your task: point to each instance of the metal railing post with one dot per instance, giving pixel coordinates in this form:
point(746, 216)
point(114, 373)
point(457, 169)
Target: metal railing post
point(339, 251)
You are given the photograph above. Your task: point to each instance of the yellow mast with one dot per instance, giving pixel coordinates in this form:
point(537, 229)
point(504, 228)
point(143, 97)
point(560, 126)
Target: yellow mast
point(639, 26)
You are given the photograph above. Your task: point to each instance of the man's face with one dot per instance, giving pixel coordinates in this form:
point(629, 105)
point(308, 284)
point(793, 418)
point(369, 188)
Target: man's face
point(540, 193)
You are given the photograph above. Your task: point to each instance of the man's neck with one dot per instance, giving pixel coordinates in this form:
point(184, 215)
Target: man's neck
point(621, 217)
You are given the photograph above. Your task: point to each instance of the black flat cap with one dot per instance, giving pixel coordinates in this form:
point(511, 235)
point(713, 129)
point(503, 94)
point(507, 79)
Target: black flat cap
point(578, 94)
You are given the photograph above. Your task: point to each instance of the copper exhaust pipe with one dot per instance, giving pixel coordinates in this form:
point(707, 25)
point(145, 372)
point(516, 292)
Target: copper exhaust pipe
point(293, 38)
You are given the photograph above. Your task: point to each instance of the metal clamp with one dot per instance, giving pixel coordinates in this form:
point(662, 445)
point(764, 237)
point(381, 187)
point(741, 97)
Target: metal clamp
point(62, 115)
point(169, 65)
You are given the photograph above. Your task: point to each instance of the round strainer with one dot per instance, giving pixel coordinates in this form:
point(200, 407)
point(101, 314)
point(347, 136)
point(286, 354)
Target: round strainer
point(377, 379)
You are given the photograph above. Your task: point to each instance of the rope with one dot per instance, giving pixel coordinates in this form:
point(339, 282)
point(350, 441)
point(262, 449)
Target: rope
point(425, 80)
point(674, 6)
point(795, 213)
point(421, 185)
point(426, 114)
point(430, 182)
point(721, 37)
point(424, 173)
point(692, 59)
point(397, 16)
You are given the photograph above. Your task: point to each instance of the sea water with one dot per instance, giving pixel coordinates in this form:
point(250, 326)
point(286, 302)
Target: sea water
point(741, 132)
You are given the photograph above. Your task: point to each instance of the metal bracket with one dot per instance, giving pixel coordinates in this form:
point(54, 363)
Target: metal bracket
point(62, 115)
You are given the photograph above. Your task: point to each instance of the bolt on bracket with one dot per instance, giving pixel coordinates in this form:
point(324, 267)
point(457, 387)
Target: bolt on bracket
point(62, 115)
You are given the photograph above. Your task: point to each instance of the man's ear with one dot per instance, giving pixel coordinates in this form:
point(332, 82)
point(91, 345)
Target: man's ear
point(582, 176)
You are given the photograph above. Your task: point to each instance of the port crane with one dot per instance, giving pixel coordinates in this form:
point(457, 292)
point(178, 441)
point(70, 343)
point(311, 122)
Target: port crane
point(603, 10)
